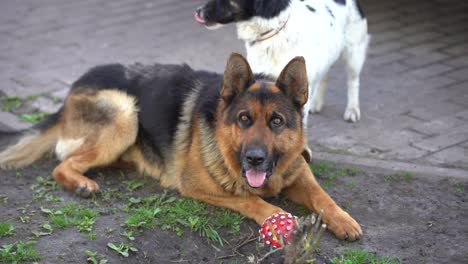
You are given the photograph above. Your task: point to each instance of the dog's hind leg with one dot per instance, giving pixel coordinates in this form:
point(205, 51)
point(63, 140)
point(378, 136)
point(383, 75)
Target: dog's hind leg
point(354, 55)
point(97, 128)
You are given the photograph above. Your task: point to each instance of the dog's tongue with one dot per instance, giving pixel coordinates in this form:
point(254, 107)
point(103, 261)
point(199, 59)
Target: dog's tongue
point(255, 178)
point(198, 18)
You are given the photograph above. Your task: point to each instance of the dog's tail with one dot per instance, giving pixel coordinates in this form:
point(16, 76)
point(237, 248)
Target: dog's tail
point(33, 144)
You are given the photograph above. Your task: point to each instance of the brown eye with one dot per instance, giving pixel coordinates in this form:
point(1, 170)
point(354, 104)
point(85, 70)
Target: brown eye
point(244, 119)
point(276, 122)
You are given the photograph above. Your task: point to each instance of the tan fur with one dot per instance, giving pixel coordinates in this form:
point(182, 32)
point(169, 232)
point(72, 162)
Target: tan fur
point(29, 149)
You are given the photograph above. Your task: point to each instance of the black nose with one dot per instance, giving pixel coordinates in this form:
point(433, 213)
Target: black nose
point(255, 156)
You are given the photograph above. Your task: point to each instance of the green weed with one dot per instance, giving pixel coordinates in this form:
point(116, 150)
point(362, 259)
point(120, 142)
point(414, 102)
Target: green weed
point(408, 176)
point(33, 117)
point(358, 256)
point(42, 189)
point(328, 172)
point(4, 198)
point(95, 258)
point(19, 252)
point(73, 215)
point(170, 213)
point(6, 229)
point(123, 249)
point(128, 234)
point(459, 188)
point(10, 103)
point(132, 185)
point(46, 229)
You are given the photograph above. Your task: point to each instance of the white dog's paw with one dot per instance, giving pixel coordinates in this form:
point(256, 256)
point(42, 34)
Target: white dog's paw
point(352, 114)
point(316, 106)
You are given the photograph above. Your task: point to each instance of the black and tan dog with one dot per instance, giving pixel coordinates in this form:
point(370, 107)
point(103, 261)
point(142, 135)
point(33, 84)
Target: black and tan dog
point(228, 147)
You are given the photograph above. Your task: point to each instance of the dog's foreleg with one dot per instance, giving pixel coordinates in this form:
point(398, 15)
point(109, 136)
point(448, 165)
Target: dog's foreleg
point(251, 206)
point(354, 56)
point(305, 190)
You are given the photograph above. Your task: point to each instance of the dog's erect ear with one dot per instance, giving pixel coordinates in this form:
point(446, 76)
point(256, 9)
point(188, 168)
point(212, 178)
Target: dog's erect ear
point(293, 81)
point(237, 77)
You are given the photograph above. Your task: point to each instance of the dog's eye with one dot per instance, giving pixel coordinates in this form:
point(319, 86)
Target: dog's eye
point(276, 121)
point(244, 119)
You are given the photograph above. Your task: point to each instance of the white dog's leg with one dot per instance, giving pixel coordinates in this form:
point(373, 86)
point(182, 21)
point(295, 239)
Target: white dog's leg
point(318, 95)
point(354, 55)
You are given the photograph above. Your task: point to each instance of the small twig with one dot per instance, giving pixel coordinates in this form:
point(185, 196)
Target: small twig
point(268, 254)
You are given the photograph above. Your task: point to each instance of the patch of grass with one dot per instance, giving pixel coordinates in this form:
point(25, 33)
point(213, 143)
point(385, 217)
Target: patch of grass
point(459, 188)
point(42, 189)
point(351, 185)
point(408, 176)
point(391, 178)
point(19, 252)
point(10, 103)
point(171, 213)
point(90, 235)
point(123, 249)
point(73, 215)
point(358, 256)
point(4, 198)
point(6, 229)
point(132, 185)
point(396, 177)
point(328, 173)
point(95, 258)
point(128, 234)
point(143, 217)
point(46, 229)
point(33, 117)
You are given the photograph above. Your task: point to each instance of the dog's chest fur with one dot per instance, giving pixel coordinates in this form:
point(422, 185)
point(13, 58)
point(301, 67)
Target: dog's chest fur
point(313, 29)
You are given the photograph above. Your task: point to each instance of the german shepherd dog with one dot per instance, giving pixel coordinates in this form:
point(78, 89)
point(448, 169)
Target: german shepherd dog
point(228, 147)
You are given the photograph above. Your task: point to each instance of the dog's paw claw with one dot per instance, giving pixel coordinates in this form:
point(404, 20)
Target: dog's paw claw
point(352, 114)
point(307, 154)
point(345, 227)
point(86, 189)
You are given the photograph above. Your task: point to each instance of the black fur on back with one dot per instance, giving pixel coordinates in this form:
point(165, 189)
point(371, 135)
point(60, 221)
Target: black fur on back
point(160, 92)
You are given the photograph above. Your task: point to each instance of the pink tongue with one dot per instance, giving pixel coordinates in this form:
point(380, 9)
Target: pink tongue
point(255, 178)
point(198, 18)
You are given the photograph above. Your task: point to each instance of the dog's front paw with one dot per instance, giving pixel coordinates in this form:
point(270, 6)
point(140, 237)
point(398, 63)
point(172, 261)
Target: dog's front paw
point(86, 187)
point(344, 226)
point(352, 114)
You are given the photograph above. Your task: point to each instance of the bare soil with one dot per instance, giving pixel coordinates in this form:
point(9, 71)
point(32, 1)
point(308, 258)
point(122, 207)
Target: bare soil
point(414, 218)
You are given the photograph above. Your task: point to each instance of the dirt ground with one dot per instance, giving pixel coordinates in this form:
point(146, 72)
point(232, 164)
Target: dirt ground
point(414, 218)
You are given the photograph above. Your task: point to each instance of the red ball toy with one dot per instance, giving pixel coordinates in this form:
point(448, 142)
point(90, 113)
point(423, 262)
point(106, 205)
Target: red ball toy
point(276, 227)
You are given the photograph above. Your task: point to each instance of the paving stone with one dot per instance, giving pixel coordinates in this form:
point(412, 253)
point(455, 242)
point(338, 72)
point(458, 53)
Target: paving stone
point(458, 61)
point(431, 70)
point(459, 74)
point(447, 140)
point(424, 49)
point(454, 156)
point(426, 59)
point(47, 105)
point(461, 49)
point(10, 122)
point(441, 125)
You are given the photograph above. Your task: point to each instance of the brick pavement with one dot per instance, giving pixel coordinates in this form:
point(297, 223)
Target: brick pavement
point(414, 87)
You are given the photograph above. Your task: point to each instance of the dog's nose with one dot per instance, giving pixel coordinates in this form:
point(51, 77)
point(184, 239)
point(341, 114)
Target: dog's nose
point(255, 156)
